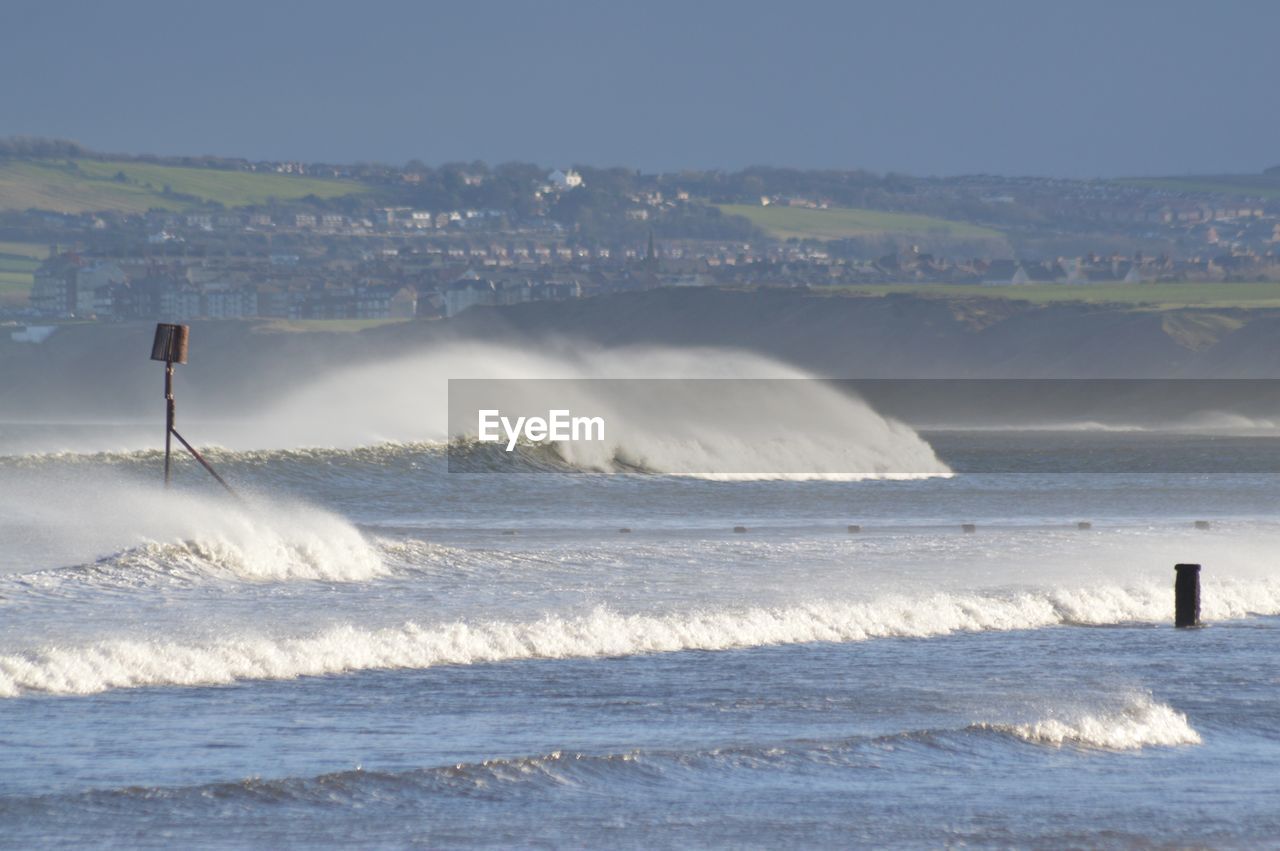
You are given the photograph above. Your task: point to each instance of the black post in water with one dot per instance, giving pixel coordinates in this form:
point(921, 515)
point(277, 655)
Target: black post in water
point(1186, 595)
point(170, 346)
point(168, 418)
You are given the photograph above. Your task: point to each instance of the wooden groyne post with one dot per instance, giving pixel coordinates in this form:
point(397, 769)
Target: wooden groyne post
point(170, 346)
point(1186, 595)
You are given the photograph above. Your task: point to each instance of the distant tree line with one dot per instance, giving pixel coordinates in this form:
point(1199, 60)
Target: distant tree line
point(37, 147)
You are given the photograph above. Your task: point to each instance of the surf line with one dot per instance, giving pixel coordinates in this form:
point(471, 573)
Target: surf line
point(557, 425)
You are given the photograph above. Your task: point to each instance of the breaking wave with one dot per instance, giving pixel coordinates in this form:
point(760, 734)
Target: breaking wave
point(464, 455)
point(136, 662)
point(791, 427)
point(153, 533)
point(1146, 724)
point(336, 555)
point(1140, 723)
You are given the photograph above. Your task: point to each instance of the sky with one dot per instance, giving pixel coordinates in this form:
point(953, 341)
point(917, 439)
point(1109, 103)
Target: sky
point(1015, 87)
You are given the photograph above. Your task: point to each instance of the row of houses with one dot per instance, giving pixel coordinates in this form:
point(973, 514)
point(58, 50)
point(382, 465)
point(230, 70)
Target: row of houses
point(1135, 270)
point(473, 291)
point(69, 285)
point(169, 227)
point(163, 298)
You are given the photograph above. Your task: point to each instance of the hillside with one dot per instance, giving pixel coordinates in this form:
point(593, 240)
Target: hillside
point(91, 185)
point(1242, 185)
point(18, 260)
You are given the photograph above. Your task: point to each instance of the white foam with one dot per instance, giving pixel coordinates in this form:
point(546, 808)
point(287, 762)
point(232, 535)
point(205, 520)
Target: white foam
point(1141, 723)
point(261, 551)
point(125, 663)
point(127, 526)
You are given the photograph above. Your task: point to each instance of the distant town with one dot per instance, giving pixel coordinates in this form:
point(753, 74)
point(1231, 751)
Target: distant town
point(85, 236)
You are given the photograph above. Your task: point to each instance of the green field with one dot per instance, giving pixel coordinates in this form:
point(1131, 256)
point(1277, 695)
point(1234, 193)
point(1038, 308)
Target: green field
point(1149, 296)
point(79, 186)
point(15, 289)
point(1244, 185)
point(846, 222)
point(32, 250)
point(18, 260)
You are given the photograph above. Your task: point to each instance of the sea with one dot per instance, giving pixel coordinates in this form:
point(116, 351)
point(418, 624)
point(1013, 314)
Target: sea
point(373, 644)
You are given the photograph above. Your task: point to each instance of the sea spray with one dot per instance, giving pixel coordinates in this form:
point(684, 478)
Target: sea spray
point(804, 426)
point(131, 526)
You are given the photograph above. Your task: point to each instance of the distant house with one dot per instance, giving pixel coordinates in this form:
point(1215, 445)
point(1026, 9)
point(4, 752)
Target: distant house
point(404, 304)
point(54, 290)
point(373, 302)
point(563, 181)
point(223, 301)
point(690, 279)
point(180, 302)
point(115, 300)
point(1041, 273)
point(1005, 273)
point(89, 279)
point(1076, 273)
point(467, 293)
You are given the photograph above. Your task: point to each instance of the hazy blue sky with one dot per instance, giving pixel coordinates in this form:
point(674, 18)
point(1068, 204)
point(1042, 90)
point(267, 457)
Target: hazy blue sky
point(1077, 88)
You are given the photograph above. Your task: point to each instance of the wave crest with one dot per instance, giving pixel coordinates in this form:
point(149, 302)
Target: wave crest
point(130, 663)
point(1142, 722)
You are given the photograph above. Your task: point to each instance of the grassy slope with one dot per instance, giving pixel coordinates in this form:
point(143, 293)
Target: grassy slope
point(32, 250)
point(90, 186)
point(15, 289)
point(841, 223)
point(18, 260)
point(1244, 185)
point(1152, 296)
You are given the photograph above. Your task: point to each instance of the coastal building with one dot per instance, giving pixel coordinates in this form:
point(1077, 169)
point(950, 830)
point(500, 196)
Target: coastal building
point(563, 181)
point(54, 290)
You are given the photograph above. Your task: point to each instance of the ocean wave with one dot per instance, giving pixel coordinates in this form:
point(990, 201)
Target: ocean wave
point(374, 453)
point(339, 554)
point(1145, 723)
point(793, 426)
point(1142, 722)
point(272, 557)
point(461, 455)
point(151, 533)
point(138, 662)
